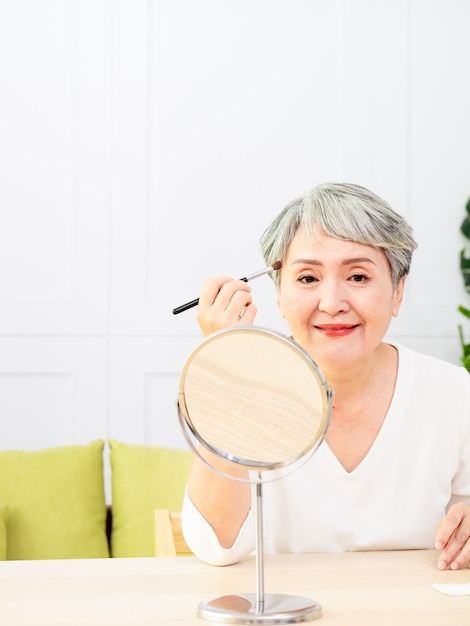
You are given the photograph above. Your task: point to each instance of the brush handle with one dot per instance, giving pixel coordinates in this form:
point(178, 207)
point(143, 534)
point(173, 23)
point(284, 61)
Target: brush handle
point(185, 307)
point(189, 305)
point(193, 303)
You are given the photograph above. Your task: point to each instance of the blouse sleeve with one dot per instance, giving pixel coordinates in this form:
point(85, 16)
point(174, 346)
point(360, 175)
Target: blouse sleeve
point(461, 482)
point(202, 540)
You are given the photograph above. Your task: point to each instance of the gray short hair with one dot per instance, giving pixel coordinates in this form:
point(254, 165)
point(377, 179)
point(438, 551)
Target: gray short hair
point(344, 211)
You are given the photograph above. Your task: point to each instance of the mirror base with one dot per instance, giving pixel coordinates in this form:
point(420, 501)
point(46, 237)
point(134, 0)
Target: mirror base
point(277, 609)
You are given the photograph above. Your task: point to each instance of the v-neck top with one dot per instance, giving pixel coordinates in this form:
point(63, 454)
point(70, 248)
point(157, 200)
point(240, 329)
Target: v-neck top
point(417, 467)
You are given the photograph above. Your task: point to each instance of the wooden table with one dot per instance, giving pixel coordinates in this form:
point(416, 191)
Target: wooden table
point(354, 589)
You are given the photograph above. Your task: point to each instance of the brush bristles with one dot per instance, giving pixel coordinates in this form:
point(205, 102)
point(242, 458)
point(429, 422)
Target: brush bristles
point(277, 265)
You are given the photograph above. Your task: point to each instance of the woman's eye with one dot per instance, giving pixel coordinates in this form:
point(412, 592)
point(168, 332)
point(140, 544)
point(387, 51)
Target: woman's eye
point(307, 279)
point(358, 278)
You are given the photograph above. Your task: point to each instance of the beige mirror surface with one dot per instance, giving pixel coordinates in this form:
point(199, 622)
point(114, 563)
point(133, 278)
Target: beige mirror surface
point(255, 397)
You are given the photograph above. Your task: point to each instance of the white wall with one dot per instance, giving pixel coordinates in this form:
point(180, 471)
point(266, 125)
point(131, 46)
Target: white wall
point(144, 146)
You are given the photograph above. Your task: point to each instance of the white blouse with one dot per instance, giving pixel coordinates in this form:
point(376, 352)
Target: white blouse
point(418, 466)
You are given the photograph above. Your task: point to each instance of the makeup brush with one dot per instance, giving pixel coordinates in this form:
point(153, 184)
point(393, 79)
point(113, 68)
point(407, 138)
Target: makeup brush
point(189, 305)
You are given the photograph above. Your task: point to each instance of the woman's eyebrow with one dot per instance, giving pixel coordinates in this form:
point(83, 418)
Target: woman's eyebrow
point(306, 262)
point(361, 259)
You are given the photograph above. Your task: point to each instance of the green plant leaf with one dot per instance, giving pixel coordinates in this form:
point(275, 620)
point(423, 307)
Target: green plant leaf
point(466, 362)
point(465, 227)
point(466, 280)
point(465, 358)
point(465, 269)
point(464, 311)
point(464, 261)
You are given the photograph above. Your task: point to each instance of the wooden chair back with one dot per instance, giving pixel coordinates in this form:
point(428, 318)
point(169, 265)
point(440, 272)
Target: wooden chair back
point(169, 540)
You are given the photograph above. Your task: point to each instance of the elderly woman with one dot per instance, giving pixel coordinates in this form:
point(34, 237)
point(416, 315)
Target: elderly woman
point(394, 469)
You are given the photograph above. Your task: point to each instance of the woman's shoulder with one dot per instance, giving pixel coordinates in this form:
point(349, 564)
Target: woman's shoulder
point(431, 368)
point(433, 388)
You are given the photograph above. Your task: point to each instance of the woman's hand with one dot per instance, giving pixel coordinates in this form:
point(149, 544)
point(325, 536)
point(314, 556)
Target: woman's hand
point(224, 302)
point(453, 538)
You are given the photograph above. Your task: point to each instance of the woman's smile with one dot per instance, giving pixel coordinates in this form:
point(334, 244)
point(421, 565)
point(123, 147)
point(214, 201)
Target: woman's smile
point(336, 330)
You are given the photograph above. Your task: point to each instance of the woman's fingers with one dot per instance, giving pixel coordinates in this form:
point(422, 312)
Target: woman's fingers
point(224, 302)
point(453, 538)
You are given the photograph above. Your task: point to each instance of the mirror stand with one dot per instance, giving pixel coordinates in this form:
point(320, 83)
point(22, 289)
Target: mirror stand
point(249, 608)
point(255, 398)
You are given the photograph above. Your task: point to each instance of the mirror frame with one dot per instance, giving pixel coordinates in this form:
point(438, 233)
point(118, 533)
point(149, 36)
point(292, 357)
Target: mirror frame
point(194, 437)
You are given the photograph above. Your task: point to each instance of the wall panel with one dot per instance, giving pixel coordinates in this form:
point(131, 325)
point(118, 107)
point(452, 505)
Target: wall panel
point(53, 391)
point(144, 382)
point(54, 159)
point(439, 153)
point(146, 144)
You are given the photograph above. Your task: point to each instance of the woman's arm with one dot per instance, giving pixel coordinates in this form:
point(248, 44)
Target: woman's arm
point(223, 502)
point(452, 535)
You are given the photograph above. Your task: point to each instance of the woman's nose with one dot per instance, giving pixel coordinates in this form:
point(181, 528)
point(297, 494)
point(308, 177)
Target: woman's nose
point(332, 298)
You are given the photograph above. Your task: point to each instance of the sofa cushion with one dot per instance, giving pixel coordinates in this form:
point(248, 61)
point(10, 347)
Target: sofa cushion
point(55, 500)
point(3, 532)
point(143, 478)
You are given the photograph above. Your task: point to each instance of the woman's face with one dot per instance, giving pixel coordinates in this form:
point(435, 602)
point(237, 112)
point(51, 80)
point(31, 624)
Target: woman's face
point(337, 298)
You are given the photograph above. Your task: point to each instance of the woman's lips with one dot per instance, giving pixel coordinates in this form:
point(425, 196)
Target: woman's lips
point(337, 330)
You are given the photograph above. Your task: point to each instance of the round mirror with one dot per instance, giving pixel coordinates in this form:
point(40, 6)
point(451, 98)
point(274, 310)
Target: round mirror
point(254, 397)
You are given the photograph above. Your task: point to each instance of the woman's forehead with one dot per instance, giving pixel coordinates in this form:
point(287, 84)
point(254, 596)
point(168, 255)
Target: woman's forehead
point(319, 243)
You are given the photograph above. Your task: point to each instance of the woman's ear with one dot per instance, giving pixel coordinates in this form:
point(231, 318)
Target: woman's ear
point(398, 297)
point(279, 304)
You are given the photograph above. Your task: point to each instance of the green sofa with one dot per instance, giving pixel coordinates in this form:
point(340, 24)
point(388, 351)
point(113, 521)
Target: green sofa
point(52, 502)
